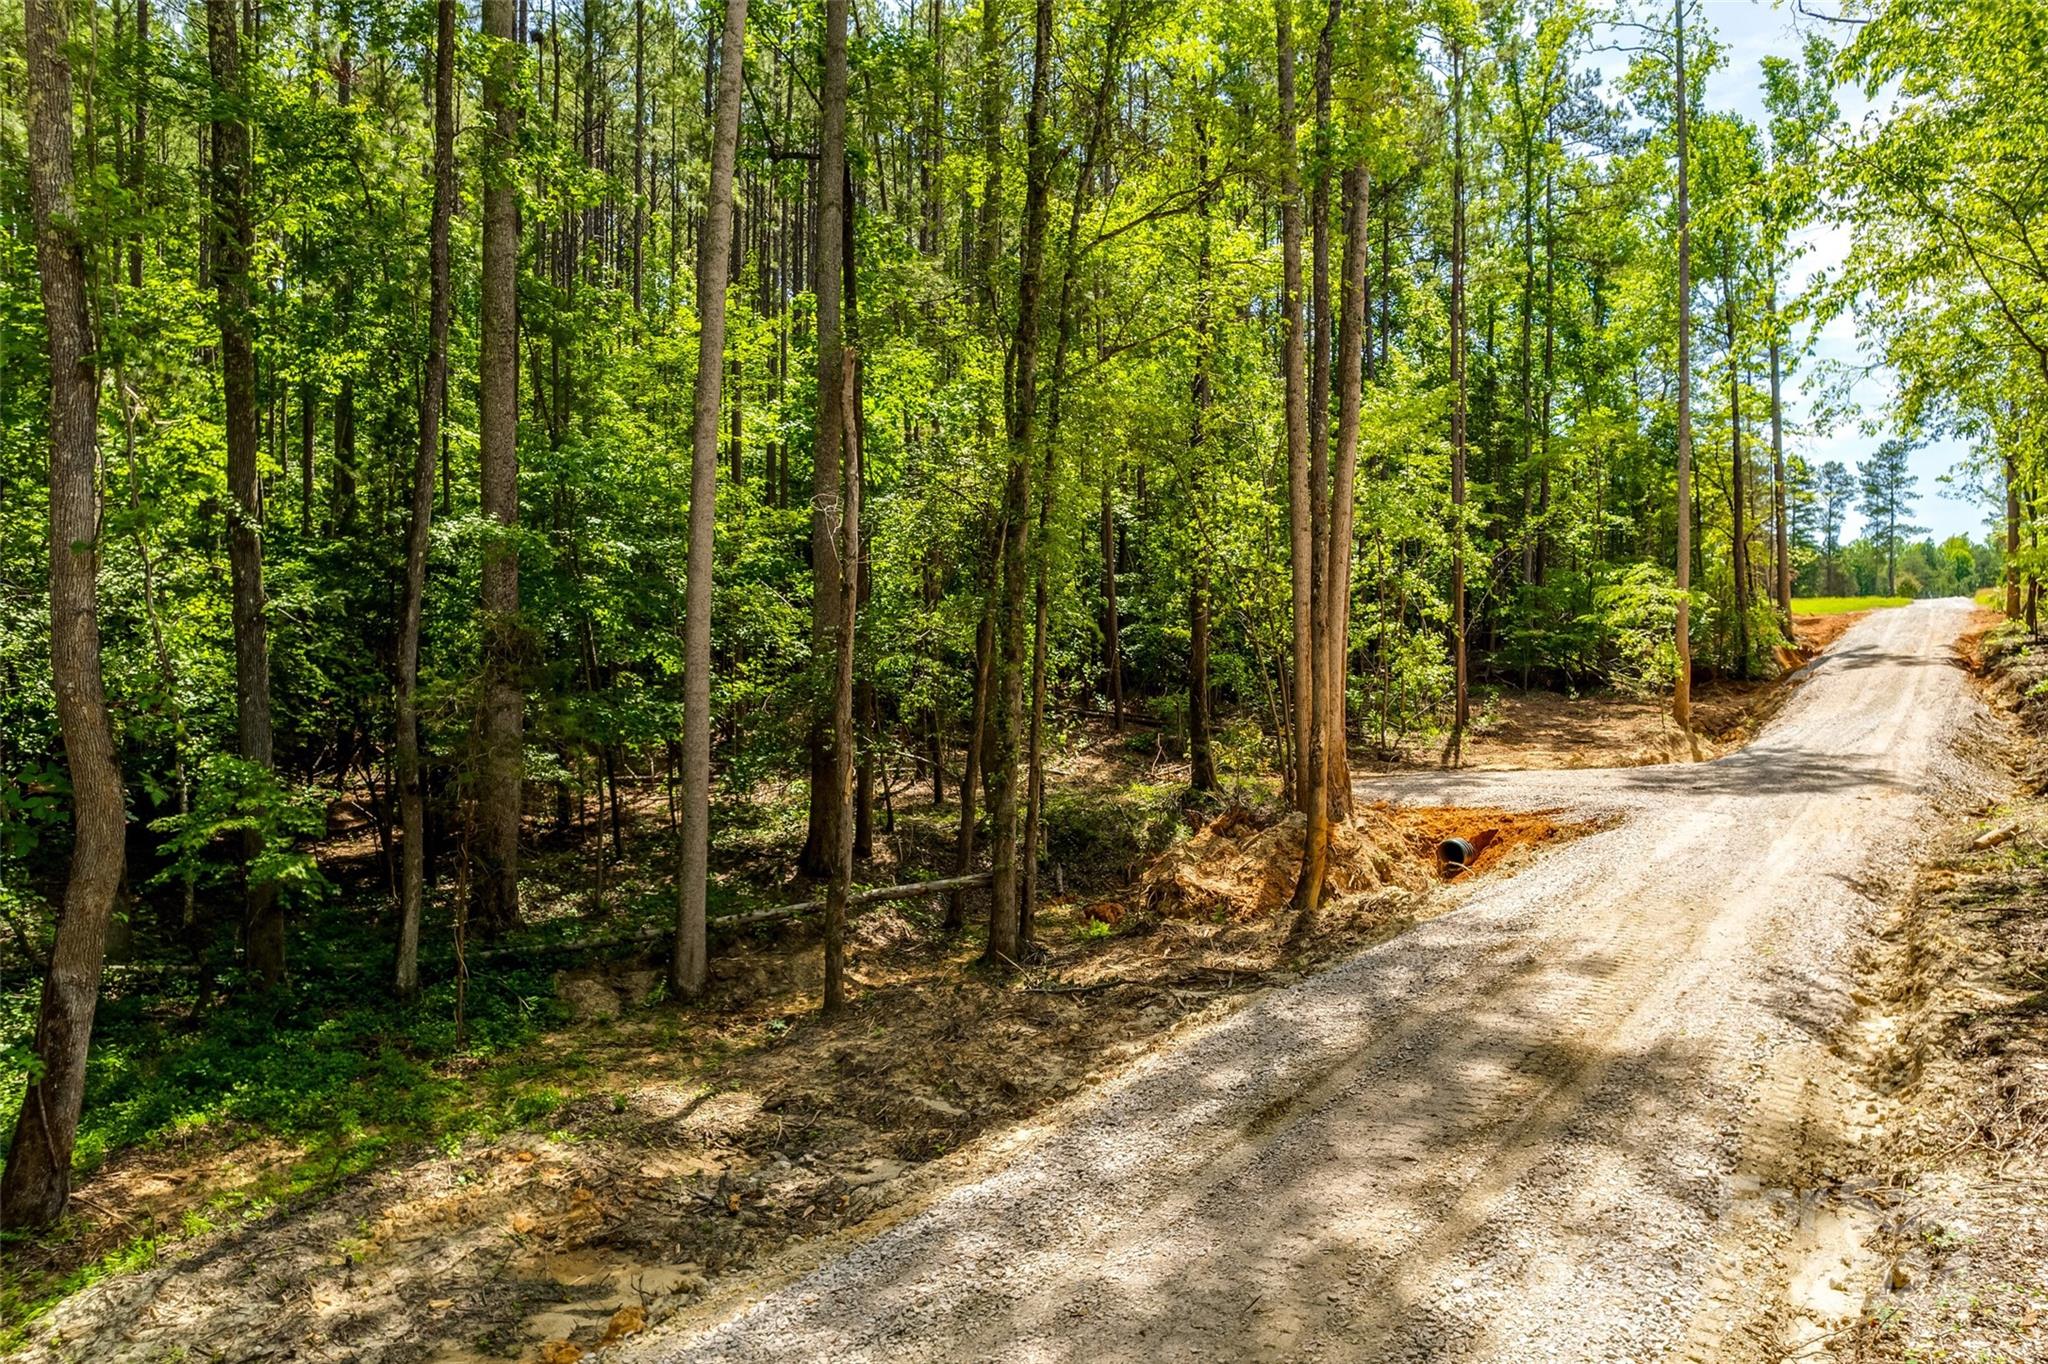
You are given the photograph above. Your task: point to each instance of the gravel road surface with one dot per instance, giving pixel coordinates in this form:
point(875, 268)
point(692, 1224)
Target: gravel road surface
point(1516, 1132)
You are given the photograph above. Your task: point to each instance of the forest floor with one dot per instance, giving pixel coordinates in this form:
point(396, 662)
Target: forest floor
point(651, 1155)
point(669, 1162)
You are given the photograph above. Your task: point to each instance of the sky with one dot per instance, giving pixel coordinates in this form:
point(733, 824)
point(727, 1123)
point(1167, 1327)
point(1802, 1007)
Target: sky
point(1750, 30)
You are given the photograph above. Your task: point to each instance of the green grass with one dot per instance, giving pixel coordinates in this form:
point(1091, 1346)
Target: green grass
point(1836, 606)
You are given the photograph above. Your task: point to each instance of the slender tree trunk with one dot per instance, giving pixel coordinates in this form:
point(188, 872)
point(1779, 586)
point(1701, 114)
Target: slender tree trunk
point(848, 574)
point(687, 966)
point(1333, 585)
point(1201, 760)
point(138, 161)
point(970, 772)
point(827, 478)
point(1681, 695)
point(233, 249)
point(1351, 341)
point(1738, 492)
point(411, 798)
point(1460, 701)
point(1294, 361)
point(639, 145)
point(37, 1182)
point(1781, 525)
point(1112, 649)
point(499, 786)
point(2012, 537)
point(1005, 900)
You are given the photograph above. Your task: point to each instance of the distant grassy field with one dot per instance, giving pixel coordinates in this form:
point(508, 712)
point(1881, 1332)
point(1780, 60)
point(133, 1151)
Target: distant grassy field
point(1836, 606)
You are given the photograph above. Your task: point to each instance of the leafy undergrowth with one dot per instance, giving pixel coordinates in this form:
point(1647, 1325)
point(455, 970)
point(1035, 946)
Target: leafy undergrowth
point(529, 1199)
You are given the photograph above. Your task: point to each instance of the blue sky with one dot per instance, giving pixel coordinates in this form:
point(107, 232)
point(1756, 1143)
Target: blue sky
point(1750, 30)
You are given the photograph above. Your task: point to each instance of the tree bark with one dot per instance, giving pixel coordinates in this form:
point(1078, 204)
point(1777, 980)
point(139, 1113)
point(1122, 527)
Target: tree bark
point(1005, 901)
point(1460, 701)
point(1681, 694)
point(1294, 360)
point(411, 798)
point(1336, 643)
point(1738, 491)
point(501, 722)
point(1332, 588)
point(827, 478)
point(2012, 537)
point(689, 962)
point(1781, 527)
point(233, 249)
point(37, 1182)
point(848, 587)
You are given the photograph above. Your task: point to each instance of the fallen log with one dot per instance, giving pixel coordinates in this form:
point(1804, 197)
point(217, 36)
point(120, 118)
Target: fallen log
point(750, 918)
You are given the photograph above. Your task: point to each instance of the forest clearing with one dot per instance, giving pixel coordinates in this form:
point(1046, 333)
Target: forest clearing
point(987, 679)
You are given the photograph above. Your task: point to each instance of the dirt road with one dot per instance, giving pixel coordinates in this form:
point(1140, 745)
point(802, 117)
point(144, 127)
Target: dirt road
point(1546, 1126)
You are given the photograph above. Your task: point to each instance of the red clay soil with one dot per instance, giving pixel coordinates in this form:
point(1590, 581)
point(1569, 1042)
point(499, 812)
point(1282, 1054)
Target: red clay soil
point(1242, 866)
point(1494, 834)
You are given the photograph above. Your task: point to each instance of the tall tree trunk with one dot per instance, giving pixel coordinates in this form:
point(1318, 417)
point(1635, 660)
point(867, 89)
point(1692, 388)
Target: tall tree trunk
point(1294, 360)
point(639, 145)
point(847, 559)
point(1738, 490)
point(233, 249)
point(138, 160)
point(411, 798)
point(687, 966)
point(1781, 526)
point(2012, 536)
point(1335, 646)
point(1461, 681)
point(1201, 759)
point(1005, 902)
point(1112, 649)
point(501, 723)
point(827, 478)
point(1681, 694)
point(1333, 585)
point(37, 1182)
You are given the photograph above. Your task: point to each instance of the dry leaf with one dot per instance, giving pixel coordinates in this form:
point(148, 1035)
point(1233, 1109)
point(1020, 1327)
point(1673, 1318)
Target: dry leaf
point(523, 1222)
point(441, 1304)
point(523, 1157)
point(560, 1352)
point(624, 1323)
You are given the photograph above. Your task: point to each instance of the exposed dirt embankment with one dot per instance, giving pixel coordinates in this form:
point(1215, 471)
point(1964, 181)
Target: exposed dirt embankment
point(1952, 1038)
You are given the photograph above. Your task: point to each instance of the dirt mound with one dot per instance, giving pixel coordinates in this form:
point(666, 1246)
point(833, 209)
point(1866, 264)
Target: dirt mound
point(1243, 865)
